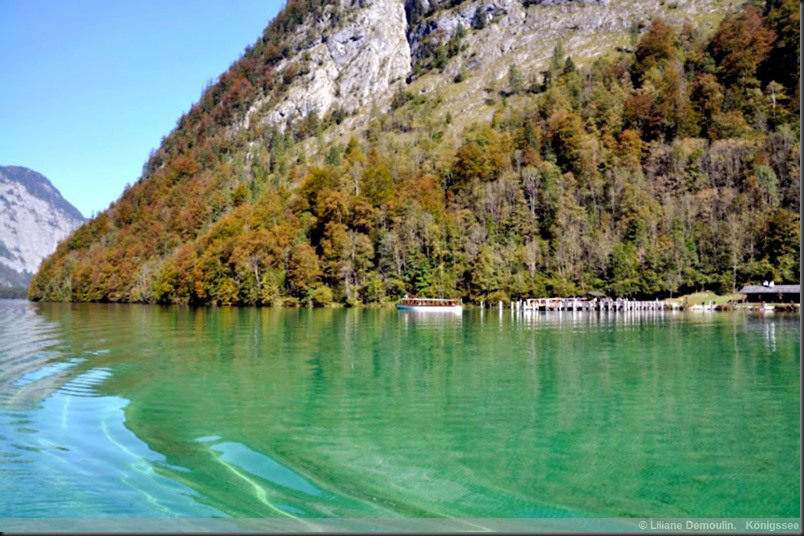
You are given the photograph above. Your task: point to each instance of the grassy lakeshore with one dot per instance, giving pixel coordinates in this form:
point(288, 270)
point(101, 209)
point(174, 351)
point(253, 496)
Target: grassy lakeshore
point(704, 298)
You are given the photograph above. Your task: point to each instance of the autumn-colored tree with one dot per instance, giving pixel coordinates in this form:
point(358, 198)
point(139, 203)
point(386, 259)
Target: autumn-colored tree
point(630, 147)
point(740, 44)
point(377, 184)
point(706, 95)
point(316, 185)
point(566, 133)
point(656, 47)
point(471, 162)
point(304, 270)
point(480, 157)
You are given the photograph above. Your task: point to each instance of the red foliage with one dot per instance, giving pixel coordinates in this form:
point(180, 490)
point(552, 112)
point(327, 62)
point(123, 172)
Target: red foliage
point(740, 44)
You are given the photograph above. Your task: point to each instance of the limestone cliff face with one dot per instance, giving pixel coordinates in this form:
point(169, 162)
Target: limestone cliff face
point(34, 217)
point(522, 28)
point(359, 56)
point(363, 51)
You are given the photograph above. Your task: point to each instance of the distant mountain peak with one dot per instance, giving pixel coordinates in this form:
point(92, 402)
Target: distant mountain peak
point(34, 217)
point(40, 187)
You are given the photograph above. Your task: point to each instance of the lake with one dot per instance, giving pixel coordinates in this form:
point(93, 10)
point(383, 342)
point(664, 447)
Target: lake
point(121, 411)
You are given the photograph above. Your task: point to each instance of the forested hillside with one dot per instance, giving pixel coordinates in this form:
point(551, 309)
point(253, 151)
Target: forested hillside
point(665, 168)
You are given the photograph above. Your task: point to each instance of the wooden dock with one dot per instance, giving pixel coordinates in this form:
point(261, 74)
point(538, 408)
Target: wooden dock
point(585, 304)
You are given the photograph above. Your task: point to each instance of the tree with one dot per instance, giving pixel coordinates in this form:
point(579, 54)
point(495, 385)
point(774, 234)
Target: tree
point(568, 139)
point(706, 97)
point(630, 148)
point(515, 82)
point(781, 244)
point(322, 296)
point(480, 157)
point(303, 270)
point(778, 97)
point(740, 44)
point(377, 184)
point(240, 194)
point(558, 58)
point(454, 43)
point(783, 18)
point(485, 273)
point(655, 48)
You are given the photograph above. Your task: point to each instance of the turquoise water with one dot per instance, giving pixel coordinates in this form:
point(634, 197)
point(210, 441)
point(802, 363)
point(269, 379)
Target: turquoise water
point(146, 411)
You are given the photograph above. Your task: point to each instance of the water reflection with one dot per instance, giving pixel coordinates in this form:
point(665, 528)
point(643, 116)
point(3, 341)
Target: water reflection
point(430, 317)
point(353, 413)
point(587, 318)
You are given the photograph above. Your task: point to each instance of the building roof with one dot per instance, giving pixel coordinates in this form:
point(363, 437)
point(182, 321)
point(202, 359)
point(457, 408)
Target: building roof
point(776, 289)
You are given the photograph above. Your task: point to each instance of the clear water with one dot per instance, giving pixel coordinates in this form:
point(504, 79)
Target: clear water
point(145, 411)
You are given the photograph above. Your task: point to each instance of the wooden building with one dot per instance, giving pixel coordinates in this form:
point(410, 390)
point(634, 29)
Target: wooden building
point(771, 293)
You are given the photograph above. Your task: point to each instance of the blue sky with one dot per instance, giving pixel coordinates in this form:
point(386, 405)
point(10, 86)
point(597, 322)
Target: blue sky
point(89, 87)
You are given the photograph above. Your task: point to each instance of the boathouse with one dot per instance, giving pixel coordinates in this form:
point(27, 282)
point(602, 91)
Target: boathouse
point(768, 292)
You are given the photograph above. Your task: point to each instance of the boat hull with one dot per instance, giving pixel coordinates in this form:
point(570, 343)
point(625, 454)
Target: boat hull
point(431, 308)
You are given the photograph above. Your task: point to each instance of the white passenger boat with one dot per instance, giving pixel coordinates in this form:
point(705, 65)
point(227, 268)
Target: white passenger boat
point(541, 304)
point(430, 304)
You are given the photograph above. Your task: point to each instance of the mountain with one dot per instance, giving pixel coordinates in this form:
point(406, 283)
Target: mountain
point(33, 219)
point(491, 150)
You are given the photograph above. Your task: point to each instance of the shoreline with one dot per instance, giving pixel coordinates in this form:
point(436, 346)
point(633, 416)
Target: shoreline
point(719, 308)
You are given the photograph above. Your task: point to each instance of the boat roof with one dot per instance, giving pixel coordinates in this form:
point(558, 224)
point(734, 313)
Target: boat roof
point(776, 289)
point(430, 299)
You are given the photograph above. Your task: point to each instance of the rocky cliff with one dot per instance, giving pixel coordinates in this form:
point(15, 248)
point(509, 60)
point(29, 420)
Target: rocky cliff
point(361, 52)
point(34, 217)
point(356, 54)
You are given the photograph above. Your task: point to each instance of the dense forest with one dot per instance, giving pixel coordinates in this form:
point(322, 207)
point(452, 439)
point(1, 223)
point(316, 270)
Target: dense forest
point(660, 170)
